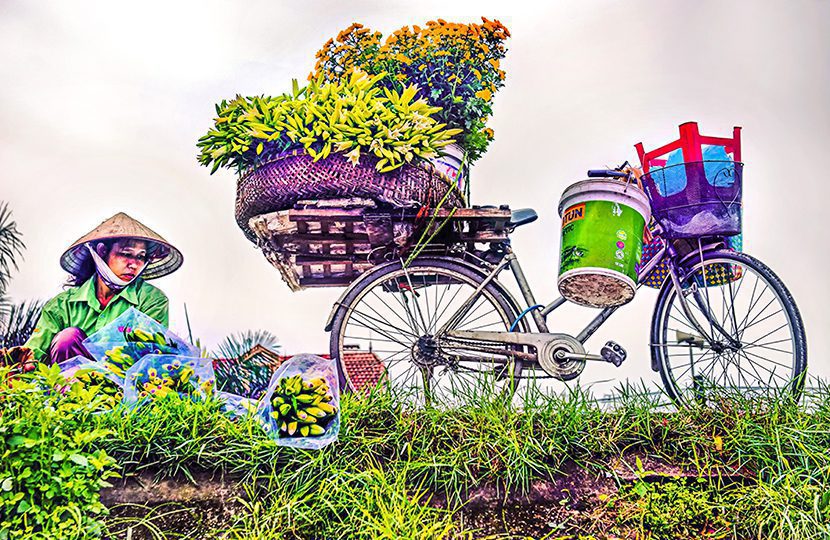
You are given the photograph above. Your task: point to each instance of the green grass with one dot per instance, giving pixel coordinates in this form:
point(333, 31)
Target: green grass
point(761, 468)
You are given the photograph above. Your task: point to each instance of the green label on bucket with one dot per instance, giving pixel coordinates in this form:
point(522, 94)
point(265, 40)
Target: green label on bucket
point(601, 234)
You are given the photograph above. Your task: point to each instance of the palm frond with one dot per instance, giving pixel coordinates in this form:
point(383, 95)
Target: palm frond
point(240, 375)
point(11, 245)
point(237, 345)
point(18, 324)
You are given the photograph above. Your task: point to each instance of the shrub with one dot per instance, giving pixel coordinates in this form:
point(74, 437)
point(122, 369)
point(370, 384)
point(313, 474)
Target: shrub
point(49, 474)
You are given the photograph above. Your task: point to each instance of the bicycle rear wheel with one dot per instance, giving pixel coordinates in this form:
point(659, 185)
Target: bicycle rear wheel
point(758, 347)
point(398, 314)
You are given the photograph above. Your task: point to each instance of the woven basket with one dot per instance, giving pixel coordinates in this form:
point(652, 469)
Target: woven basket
point(294, 176)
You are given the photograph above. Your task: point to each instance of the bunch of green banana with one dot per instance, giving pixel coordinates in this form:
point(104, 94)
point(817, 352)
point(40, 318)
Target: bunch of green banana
point(302, 408)
point(353, 116)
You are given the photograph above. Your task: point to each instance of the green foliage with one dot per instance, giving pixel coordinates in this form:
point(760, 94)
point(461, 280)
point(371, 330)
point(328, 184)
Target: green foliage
point(389, 453)
point(671, 508)
point(18, 322)
point(50, 471)
point(11, 246)
point(377, 479)
point(241, 374)
point(237, 345)
point(353, 116)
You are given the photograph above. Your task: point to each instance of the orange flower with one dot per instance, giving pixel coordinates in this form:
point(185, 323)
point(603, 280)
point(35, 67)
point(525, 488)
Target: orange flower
point(484, 94)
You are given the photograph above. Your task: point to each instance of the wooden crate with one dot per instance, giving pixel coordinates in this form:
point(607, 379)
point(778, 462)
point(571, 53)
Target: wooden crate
point(330, 243)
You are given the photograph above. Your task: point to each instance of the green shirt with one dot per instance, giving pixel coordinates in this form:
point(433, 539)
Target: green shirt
point(80, 307)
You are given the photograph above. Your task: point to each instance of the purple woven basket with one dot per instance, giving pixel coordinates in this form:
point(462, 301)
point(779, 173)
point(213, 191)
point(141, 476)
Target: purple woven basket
point(696, 199)
point(294, 176)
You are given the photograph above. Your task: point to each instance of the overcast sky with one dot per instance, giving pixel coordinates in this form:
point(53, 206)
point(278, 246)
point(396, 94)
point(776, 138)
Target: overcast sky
point(101, 104)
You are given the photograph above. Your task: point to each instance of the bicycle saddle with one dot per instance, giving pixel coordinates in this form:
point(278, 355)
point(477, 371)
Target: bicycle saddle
point(522, 216)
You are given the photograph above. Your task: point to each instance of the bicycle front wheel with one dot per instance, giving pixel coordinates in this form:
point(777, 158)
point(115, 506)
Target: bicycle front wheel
point(756, 344)
point(402, 315)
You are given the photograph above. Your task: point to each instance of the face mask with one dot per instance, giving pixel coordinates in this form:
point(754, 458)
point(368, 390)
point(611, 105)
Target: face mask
point(105, 272)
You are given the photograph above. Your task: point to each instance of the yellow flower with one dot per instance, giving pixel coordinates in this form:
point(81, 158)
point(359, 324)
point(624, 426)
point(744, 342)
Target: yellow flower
point(484, 94)
point(354, 156)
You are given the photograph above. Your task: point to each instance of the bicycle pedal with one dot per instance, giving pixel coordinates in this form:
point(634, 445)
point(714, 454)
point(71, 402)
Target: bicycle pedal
point(613, 353)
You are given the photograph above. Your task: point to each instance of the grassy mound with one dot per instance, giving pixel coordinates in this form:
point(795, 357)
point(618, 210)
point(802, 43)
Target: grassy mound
point(552, 466)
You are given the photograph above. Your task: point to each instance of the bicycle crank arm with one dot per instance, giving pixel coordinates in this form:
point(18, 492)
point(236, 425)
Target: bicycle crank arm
point(586, 356)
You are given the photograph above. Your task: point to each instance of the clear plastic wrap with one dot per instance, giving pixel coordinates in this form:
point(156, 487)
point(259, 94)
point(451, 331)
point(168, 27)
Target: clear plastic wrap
point(301, 407)
point(130, 337)
point(155, 376)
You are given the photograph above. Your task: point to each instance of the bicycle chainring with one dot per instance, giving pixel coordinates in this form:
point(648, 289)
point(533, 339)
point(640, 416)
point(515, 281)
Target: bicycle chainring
point(564, 370)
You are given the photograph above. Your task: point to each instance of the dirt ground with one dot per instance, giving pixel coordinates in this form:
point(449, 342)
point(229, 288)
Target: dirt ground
point(569, 506)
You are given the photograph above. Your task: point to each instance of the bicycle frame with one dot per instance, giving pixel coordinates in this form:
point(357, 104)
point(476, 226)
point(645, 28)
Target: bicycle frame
point(666, 254)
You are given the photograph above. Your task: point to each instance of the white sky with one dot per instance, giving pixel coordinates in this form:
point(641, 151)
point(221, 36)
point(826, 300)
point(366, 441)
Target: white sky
point(101, 104)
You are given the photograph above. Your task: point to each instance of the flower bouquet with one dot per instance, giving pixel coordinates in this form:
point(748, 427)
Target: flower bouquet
point(455, 67)
point(301, 407)
point(353, 116)
point(131, 336)
point(157, 376)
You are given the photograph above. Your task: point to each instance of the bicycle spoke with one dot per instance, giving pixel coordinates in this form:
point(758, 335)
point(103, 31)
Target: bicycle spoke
point(384, 332)
point(382, 320)
point(399, 312)
point(386, 304)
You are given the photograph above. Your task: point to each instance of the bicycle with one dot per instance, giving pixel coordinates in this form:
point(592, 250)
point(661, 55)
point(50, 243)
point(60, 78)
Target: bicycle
point(722, 319)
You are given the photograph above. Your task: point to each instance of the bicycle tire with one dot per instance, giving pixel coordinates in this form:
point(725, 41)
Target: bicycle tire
point(493, 292)
point(682, 393)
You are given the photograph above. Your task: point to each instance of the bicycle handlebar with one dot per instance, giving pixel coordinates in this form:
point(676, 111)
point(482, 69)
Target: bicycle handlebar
point(594, 173)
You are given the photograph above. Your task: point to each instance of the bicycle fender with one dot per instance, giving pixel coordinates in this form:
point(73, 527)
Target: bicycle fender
point(352, 286)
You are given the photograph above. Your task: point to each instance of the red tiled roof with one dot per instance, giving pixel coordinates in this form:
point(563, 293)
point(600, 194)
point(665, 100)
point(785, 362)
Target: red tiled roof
point(365, 368)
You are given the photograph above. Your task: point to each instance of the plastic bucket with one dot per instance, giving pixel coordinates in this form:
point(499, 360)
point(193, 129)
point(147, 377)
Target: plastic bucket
point(602, 241)
point(449, 164)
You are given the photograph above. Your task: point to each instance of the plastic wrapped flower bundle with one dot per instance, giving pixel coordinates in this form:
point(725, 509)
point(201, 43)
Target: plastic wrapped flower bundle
point(157, 376)
point(237, 406)
point(302, 407)
point(130, 337)
point(302, 403)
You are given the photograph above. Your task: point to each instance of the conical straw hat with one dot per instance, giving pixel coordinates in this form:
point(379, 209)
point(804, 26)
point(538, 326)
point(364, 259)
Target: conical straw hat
point(166, 259)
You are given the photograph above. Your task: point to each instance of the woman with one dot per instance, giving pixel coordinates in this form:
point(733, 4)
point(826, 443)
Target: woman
point(109, 267)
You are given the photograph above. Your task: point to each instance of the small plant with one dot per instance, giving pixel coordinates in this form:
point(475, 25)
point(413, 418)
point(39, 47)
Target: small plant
point(454, 66)
point(353, 116)
point(97, 381)
point(50, 474)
